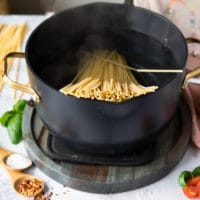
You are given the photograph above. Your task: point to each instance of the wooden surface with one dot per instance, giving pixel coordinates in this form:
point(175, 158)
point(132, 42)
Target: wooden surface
point(170, 148)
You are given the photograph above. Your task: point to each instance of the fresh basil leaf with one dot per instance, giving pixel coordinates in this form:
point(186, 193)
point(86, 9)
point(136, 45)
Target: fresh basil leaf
point(196, 171)
point(20, 105)
point(15, 128)
point(6, 117)
point(183, 177)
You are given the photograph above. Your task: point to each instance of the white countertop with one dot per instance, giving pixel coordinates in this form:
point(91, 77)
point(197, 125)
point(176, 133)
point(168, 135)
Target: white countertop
point(165, 189)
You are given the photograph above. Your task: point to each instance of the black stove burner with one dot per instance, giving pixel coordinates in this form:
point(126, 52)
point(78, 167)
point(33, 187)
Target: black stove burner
point(59, 150)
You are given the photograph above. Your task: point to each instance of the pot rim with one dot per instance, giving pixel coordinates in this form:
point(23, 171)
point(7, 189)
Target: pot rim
point(170, 79)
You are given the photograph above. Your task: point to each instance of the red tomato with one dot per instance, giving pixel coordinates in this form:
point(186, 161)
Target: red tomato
point(192, 188)
point(190, 192)
point(194, 181)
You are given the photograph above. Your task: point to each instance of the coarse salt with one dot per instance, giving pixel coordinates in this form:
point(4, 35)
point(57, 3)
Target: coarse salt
point(17, 161)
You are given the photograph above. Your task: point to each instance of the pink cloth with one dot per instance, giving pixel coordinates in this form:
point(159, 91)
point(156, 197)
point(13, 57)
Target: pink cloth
point(192, 97)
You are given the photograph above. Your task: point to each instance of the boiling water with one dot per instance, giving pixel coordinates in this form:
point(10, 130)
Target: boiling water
point(140, 50)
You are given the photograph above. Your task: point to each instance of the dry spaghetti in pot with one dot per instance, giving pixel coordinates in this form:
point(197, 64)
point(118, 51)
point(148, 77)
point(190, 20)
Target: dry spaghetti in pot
point(102, 77)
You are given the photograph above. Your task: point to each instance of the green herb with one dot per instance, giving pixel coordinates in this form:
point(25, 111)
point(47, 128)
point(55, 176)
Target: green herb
point(12, 120)
point(15, 128)
point(196, 171)
point(19, 106)
point(6, 117)
point(185, 175)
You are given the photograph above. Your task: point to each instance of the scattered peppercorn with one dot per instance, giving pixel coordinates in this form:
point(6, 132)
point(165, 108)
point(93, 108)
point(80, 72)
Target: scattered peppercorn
point(41, 196)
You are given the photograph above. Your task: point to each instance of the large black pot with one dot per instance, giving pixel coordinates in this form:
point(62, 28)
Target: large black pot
point(146, 40)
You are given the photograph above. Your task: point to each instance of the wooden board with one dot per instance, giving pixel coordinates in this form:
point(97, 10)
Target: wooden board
point(170, 148)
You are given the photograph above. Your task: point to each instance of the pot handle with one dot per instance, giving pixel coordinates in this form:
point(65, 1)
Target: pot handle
point(195, 71)
point(14, 84)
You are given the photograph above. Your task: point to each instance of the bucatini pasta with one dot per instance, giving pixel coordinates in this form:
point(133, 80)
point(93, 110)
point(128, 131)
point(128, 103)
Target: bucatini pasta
point(103, 77)
point(11, 37)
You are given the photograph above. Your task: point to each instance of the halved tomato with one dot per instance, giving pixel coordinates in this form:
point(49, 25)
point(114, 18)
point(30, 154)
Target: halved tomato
point(194, 181)
point(192, 188)
point(190, 191)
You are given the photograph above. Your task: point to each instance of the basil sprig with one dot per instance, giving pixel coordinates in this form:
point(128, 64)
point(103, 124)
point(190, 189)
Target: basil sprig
point(12, 120)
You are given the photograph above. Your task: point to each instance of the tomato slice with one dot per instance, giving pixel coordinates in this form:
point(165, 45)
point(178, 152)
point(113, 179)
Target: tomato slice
point(192, 188)
point(194, 181)
point(190, 191)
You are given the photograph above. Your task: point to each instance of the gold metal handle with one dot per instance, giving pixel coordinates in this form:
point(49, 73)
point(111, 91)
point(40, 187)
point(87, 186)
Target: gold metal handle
point(14, 84)
point(192, 40)
point(194, 72)
point(190, 75)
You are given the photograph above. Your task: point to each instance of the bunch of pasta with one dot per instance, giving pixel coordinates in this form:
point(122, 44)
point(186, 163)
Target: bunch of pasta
point(103, 76)
point(11, 37)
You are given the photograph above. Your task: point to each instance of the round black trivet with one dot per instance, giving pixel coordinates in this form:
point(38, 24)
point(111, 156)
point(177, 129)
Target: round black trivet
point(169, 149)
point(58, 150)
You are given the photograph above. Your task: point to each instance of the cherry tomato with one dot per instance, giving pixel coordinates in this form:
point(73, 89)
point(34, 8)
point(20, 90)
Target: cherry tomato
point(194, 181)
point(190, 191)
point(192, 188)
